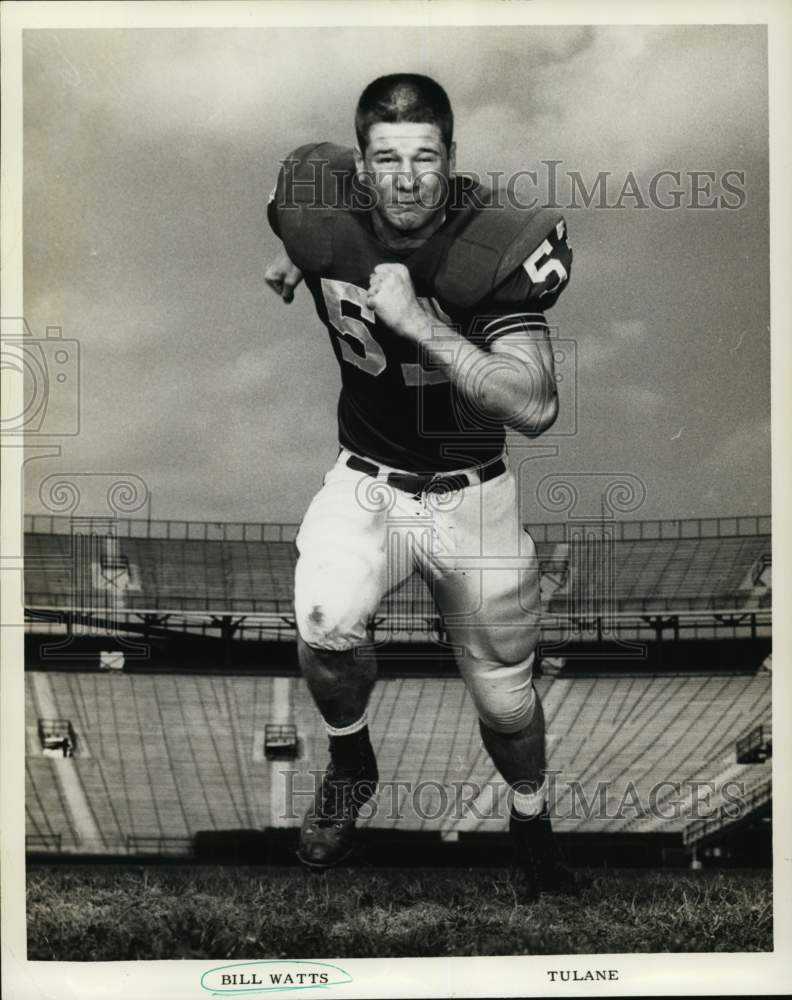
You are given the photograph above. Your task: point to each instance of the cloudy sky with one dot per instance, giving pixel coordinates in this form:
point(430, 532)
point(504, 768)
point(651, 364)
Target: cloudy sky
point(149, 156)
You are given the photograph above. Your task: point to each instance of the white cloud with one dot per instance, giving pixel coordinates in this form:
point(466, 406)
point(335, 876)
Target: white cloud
point(636, 98)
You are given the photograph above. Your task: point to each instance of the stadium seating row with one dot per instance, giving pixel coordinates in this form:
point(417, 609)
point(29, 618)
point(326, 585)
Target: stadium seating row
point(168, 755)
point(173, 574)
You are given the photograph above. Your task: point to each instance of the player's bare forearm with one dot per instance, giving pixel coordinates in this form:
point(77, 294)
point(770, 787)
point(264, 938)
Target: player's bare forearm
point(513, 382)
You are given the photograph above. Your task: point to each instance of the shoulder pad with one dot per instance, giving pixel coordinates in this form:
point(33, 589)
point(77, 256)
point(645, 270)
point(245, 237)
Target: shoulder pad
point(313, 184)
point(496, 241)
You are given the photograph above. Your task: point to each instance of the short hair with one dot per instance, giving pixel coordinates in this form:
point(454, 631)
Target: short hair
point(404, 97)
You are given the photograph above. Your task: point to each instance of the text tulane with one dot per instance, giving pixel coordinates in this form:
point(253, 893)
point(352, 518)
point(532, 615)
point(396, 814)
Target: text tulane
point(582, 976)
point(275, 979)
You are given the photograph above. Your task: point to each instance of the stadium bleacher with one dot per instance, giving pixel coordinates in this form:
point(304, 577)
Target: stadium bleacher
point(172, 755)
point(714, 568)
point(163, 756)
point(47, 823)
point(684, 572)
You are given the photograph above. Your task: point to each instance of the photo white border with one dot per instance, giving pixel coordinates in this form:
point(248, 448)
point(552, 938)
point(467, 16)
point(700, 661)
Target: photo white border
point(640, 974)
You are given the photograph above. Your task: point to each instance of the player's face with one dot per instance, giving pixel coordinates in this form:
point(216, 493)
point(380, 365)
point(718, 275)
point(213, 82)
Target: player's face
point(408, 165)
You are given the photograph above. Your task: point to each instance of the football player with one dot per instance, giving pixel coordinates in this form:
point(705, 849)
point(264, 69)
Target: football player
point(433, 294)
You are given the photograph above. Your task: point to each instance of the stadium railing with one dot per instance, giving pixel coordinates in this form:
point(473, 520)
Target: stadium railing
point(736, 812)
point(755, 746)
point(681, 578)
point(139, 844)
point(43, 842)
point(239, 531)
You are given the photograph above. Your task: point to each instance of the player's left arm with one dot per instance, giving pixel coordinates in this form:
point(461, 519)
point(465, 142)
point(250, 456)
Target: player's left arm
point(511, 382)
point(520, 383)
point(515, 379)
point(509, 373)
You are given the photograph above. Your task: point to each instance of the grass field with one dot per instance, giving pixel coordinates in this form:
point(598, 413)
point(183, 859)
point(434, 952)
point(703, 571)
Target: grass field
point(125, 912)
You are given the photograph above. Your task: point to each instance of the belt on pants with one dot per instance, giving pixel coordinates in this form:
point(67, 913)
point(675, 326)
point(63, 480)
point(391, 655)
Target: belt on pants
point(416, 483)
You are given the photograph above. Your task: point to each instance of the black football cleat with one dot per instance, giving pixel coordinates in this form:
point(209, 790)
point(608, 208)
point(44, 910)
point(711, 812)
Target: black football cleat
point(327, 836)
point(539, 856)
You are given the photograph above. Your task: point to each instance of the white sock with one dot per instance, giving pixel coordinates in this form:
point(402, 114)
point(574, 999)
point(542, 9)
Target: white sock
point(529, 803)
point(354, 727)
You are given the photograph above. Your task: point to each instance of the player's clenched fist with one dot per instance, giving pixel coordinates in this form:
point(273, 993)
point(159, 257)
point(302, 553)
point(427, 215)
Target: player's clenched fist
point(282, 276)
point(392, 298)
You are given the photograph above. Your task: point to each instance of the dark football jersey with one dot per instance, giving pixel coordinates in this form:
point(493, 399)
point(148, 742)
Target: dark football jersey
point(395, 406)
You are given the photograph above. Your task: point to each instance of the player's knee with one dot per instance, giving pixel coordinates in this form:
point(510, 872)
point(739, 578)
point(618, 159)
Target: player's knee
point(324, 626)
point(503, 693)
point(329, 617)
point(507, 715)
point(507, 646)
point(335, 595)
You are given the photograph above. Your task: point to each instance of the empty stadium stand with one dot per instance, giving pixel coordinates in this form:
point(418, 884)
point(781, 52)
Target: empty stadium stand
point(174, 755)
point(48, 826)
point(681, 573)
point(165, 754)
point(179, 566)
point(755, 802)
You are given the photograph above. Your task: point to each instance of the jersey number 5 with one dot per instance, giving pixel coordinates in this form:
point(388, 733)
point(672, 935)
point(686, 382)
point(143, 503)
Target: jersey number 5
point(368, 354)
point(539, 271)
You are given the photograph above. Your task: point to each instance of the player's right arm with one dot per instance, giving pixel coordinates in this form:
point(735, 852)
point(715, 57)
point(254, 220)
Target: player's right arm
point(282, 275)
point(311, 182)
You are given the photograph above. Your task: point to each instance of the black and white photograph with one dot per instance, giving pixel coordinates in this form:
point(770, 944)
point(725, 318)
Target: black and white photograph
point(391, 523)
